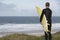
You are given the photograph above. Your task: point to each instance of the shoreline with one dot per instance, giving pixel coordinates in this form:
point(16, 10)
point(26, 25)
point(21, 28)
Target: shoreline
point(29, 29)
point(33, 34)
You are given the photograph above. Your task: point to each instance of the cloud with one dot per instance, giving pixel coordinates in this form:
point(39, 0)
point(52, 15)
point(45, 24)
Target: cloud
point(11, 10)
point(1, 0)
point(26, 7)
point(6, 6)
point(7, 9)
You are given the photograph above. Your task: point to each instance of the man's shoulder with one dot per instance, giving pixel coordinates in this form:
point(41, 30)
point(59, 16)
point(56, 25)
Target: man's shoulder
point(44, 9)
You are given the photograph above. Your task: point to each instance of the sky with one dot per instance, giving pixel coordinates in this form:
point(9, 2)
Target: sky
point(27, 7)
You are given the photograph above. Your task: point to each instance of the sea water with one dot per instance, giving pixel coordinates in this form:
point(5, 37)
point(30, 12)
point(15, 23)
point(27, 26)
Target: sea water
point(25, 25)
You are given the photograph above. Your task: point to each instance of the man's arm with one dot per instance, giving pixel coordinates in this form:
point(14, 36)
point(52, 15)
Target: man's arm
point(41, 16)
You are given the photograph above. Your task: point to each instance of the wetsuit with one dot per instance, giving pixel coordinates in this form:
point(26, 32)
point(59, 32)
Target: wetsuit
point(48, 14)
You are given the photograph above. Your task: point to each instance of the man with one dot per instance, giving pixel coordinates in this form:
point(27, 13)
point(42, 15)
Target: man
point(48, 13)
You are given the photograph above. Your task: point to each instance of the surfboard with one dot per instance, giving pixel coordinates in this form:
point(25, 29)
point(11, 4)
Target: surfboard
point(44, 21)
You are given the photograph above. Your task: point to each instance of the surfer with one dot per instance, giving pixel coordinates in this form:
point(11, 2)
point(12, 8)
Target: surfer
point(48, 13)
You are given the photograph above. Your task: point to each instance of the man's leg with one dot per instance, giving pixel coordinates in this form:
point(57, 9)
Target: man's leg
point(50, 37)
point(49, 33)
point(46, 36)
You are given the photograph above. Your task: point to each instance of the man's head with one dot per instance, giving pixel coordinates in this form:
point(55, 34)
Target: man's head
point(47, 4)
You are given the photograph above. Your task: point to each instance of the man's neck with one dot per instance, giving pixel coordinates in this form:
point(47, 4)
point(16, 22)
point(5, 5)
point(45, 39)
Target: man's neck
point(47, 8)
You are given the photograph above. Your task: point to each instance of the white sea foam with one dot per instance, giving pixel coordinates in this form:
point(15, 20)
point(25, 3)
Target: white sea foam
point(25, 27)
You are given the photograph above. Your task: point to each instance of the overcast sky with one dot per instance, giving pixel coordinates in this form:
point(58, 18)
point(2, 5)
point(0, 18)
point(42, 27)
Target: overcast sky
point(26, 7)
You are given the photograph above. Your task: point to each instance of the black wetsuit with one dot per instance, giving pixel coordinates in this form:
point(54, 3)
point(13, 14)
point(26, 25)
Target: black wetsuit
point(48, 14)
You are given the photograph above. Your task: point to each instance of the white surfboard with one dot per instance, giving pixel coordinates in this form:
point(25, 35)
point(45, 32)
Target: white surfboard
point(44, 21)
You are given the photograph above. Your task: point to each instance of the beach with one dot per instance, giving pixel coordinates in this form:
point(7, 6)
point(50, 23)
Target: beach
point(29, 29)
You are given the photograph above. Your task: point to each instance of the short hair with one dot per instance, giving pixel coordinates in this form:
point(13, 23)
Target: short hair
point(47, 4)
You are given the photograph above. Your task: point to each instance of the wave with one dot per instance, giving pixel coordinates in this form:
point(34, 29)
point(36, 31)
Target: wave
point(26, 27)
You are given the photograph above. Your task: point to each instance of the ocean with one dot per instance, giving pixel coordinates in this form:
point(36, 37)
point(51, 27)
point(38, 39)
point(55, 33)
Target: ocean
point(25, 20)
point(25, 25)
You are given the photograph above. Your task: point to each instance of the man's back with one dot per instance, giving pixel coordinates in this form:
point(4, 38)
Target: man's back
point(48, 14)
